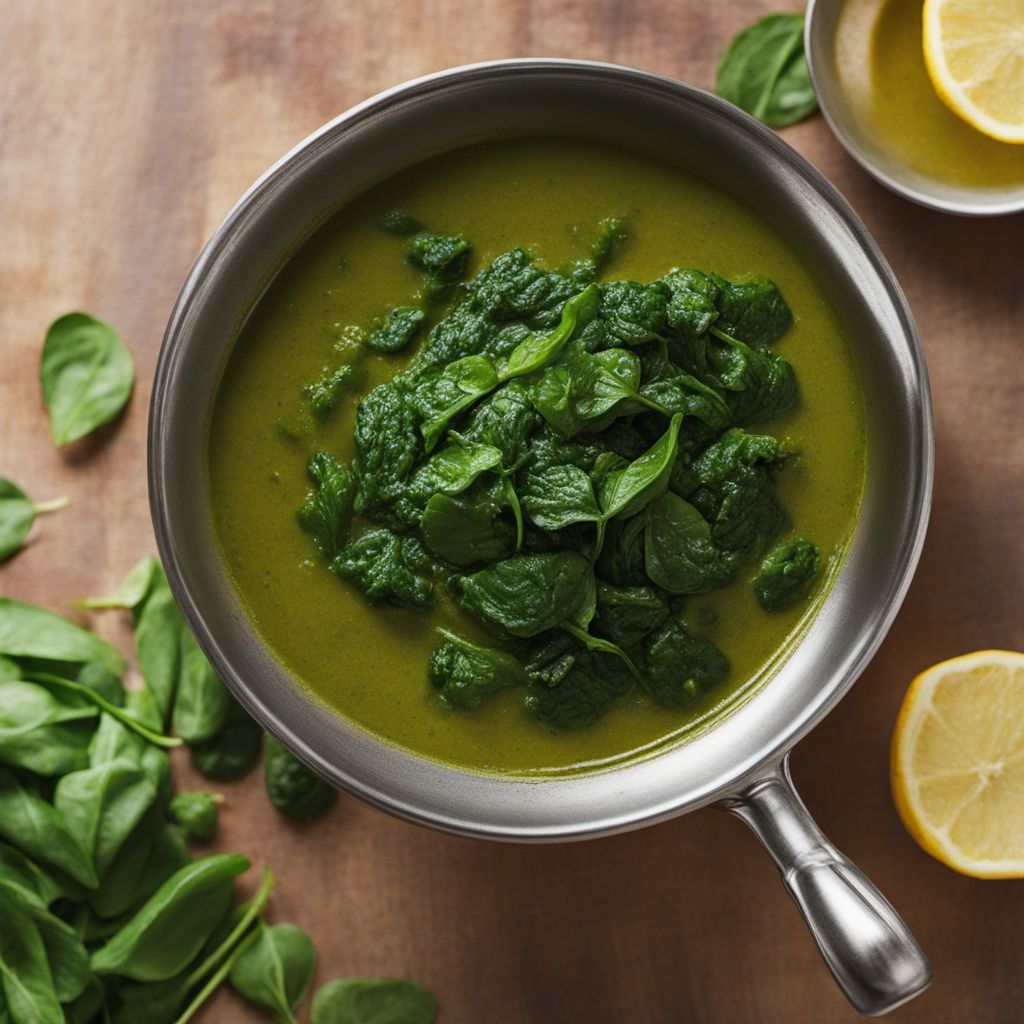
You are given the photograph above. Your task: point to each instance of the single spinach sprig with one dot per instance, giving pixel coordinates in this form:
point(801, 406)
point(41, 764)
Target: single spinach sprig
point(274, 969)
point(17, 513)
point(764, 71)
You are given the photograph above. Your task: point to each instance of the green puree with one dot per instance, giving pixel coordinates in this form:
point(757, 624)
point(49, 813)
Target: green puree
point(882, 70)
point(370, 661)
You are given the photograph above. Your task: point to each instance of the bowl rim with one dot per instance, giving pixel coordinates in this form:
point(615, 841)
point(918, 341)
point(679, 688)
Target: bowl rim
point(921, 197)
point(871, 631)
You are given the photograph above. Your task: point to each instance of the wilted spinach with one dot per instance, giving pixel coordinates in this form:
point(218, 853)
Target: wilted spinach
point(786, 574)
point(86, 374)
point(764, 71)
point(466, 674)
point(543, 414)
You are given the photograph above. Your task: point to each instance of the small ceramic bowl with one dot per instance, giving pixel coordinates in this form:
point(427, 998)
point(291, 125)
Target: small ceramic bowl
point(822, 28)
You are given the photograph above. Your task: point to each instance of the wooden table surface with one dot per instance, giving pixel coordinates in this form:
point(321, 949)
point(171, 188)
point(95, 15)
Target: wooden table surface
point(126, 132)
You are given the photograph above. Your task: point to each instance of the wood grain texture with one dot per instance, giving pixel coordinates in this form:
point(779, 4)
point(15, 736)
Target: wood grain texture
point(126, 132)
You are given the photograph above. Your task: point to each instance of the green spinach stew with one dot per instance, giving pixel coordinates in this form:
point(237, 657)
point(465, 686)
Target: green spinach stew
point(505, 479)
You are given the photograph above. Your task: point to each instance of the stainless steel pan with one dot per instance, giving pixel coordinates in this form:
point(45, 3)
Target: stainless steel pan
point(740, 764)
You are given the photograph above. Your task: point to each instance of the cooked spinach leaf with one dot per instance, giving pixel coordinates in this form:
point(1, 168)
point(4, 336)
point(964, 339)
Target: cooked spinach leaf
point(86, 375)
point(764, 71)
point(327, 513)
point(466, 674)
point(442, 260)
point(528, 594)
point(400, 327)
point(679, 553)
point(786, 574)
point(325, 394)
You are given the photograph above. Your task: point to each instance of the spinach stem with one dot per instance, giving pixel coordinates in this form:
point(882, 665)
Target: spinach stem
point(210, 987)
point(157, 739)
point(50, 506)
point(255, 907)
point(517, 509)
point(595, 643)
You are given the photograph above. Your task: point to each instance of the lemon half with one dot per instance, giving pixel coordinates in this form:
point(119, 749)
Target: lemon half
point(958, 763)
point(974, 51)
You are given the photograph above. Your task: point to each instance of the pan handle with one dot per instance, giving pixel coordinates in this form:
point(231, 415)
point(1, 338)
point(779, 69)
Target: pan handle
point(869, 950)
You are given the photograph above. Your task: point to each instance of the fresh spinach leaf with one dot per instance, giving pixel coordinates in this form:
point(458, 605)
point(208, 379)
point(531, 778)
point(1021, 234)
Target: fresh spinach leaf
point(454, 468)
point(25, 976)
point(42, 733)
point(233, 751)
point(196, 814)
point(275, 969)
point(764, 71)
point(30, 632)
point(786, 574)
point(293, 789)
point(373, 1001)
point(466, 674)
point(86, 374)
point(132, 590)
point(33, 826)
point(163, 938)
point(101, 806)
point(17, 513)
point(63, 950)
point(560, 496)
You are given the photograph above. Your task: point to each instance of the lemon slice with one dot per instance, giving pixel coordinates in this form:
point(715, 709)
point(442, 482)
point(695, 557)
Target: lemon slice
point(974, 50)
point(958, 763)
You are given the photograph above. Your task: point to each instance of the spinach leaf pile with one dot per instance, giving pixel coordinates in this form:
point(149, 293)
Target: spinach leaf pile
point(105, 917)
point(568, 461)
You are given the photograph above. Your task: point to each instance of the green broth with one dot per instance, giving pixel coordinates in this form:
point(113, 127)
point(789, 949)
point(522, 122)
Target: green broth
point(881, 66)
point(369, 662)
